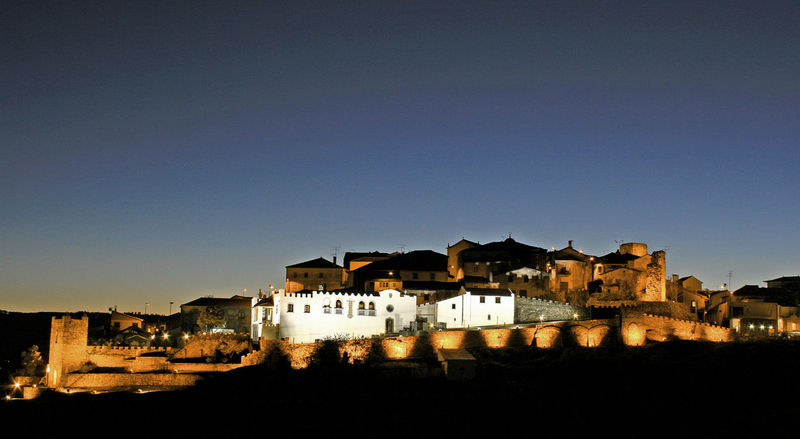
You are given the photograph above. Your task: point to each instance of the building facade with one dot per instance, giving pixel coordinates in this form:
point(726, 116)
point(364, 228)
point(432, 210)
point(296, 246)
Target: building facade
point(308, 316)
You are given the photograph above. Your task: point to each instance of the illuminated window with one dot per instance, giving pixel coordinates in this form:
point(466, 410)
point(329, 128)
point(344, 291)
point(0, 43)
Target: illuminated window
point(338, 303)
point(290, 307)
point(307, 308)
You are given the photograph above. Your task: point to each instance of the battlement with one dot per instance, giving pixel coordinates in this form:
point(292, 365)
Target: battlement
point(99, 350)
point(685, 321)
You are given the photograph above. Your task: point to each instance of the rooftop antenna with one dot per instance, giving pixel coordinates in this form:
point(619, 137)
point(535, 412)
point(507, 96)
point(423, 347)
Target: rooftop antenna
point(335, 250)
point(730, 275)
point(402, 246)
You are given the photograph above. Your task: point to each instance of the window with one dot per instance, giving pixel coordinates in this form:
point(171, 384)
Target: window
point(290, 307)
point(525, 279)
point(320, 275)
point(483, 299)
point(305, 274)
point(338, 303)
point(307, 309)
point(453, 306)
point(489, 317)
point(433, 276)
point(496, 300)
point(415, 275)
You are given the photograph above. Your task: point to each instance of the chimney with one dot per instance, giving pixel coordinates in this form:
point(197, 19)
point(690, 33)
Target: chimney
point(570, 243)
point(334, 259)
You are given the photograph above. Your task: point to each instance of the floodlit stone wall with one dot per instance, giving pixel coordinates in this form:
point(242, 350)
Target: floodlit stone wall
point(634, 330)
point(532, 310)
point(102, 381)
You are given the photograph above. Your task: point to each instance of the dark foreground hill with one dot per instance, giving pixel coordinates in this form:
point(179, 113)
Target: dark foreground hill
point(680, 389)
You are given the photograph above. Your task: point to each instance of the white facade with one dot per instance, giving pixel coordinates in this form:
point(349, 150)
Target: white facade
point(476, 307)
point(308, 316)
point(266, 315)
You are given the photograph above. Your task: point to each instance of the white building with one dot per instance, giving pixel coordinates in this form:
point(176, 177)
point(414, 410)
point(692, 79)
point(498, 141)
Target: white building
point(307, 316)
point(266, 315)
point(472, 307)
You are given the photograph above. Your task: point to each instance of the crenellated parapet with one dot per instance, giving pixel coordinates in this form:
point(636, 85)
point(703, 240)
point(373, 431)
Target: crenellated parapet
point(125, 350)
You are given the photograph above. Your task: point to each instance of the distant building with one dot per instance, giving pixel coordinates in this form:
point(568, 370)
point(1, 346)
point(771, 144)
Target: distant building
point(237, 312)
point(400, 270)
point(316, 274)
point(756, 311)
point(631, 273)
point(569, 270)
point(121, 321)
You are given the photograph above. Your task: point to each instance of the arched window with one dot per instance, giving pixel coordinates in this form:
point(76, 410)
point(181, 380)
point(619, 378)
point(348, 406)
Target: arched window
point(338, 303)
point(372, 305)
point(360, 305)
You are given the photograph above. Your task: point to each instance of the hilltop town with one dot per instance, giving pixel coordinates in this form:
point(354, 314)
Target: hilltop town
point(495, 315)
point(417, 305)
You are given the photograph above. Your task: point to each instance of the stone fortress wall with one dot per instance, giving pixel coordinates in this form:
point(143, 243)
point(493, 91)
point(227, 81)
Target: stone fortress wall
point(634, 325)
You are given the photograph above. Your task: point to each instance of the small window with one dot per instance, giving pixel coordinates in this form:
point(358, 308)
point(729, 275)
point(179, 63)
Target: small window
point(483, 299)
point(305, 274)
point(320, 275)
point(307, 308)
point(496, 300)
point(433, 276)
point(488, 317)
point(360, 305)
point(453, 306)
point(415, 275)
point(290, 307)
point(338, 303)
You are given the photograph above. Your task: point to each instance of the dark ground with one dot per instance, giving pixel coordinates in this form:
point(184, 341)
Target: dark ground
point(675, 389)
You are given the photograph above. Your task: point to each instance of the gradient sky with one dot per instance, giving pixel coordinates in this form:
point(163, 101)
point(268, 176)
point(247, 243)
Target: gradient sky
point(156, 152)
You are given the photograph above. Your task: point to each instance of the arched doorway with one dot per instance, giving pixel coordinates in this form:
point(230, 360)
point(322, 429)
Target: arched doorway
point(389, 325)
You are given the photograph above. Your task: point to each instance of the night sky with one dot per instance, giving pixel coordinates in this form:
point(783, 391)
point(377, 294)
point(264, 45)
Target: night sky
point(157, 152)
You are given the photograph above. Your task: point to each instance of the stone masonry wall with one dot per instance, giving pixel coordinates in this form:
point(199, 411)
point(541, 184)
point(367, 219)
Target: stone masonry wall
point(532, 310)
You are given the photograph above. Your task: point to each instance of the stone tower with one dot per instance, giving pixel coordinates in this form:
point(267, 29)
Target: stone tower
point(68, 338)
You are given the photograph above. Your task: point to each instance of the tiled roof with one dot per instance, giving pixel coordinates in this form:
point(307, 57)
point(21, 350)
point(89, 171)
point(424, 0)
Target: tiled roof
point(315, 263)
point(234, 301)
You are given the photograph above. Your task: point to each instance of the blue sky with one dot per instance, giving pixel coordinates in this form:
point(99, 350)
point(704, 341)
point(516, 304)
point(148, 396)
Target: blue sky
point(155, 152)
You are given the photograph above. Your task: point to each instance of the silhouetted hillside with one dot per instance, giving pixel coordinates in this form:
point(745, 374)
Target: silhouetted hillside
point(675, 389)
